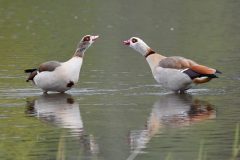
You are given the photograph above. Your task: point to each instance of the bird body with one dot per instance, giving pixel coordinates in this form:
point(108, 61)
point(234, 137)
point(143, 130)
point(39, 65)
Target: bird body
point(60, 76)
point(175, 73)
point(172, 79)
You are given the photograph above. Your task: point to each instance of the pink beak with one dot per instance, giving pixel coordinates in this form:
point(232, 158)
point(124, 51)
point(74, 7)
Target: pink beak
point(127, 42)
point(95, 37)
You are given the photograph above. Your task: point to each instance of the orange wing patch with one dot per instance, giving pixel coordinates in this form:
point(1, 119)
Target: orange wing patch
point(203, 69)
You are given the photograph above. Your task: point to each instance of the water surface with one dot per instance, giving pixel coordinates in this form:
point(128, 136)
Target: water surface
point(117, 111)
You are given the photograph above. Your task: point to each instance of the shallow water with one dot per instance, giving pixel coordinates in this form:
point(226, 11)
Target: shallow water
point(117, 111)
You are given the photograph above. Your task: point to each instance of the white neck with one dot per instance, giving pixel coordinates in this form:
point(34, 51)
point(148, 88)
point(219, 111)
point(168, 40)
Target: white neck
point(145, 50)
point(141, 47)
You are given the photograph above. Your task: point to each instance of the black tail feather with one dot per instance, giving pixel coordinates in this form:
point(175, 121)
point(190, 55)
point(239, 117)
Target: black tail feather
point(192, 74)
point(30, 70)
point(217, 71)
point(210, 75)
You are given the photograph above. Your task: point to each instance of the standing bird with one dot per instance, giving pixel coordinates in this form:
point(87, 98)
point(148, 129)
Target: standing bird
point(174, 73)
point(61, 76)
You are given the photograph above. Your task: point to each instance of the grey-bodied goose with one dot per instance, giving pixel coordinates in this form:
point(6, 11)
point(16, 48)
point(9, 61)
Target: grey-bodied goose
point(175, 73)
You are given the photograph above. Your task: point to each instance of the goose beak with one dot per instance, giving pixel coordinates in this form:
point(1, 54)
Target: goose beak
point(95, 37)
point(127, 42)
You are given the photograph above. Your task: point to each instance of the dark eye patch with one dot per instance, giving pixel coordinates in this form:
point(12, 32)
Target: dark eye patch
point(134, 40)
point(87, 38)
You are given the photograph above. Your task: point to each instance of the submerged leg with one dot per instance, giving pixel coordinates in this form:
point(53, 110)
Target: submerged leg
point(182, 91)
point(45, 92)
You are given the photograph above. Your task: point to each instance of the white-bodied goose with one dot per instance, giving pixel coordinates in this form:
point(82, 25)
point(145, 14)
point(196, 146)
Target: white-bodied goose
point(174, 73)
point(61, 76)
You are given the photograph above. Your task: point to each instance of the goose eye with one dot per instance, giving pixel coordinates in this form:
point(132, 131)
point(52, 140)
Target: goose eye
point(134, 40)
point(87, 38)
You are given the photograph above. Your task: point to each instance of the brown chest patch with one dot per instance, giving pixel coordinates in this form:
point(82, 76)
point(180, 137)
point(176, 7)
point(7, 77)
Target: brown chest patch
point(70, 84)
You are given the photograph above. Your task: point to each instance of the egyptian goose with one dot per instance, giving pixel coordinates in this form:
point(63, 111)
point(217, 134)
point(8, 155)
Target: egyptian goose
point(174, 73)
point(61, 76)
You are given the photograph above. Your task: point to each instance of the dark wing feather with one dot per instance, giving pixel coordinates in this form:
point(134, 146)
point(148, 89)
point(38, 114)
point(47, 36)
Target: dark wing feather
point(49, 66)
point(193, 74)
point(193, 70)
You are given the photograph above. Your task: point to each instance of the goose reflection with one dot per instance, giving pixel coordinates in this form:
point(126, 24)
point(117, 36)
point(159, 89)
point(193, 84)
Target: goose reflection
point(63, 111)
point(171, 110)
point(58, 109)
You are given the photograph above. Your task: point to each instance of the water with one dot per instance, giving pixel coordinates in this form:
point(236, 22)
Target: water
point(117, 111)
